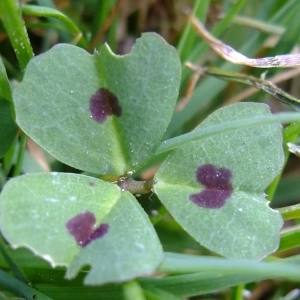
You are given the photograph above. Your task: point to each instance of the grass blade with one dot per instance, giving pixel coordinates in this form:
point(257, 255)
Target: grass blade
point(226, 127)
point(289, 239)
point(43, 11)
point(14, 25)
point(20, 288)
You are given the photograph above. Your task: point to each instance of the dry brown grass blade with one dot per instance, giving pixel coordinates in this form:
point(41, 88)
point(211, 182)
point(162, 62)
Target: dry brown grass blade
point(230, 54)
point(188, 92)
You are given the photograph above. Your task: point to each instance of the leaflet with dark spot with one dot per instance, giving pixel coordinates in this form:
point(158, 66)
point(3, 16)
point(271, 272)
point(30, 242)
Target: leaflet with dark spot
point(217, 184)
point(104, 104)
point(82, 228)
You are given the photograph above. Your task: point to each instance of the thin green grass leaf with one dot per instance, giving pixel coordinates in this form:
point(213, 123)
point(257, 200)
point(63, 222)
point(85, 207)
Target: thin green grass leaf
point(5, 91)
point(291, 131)
point(12, 69)
point(226, 127)
point(26, 260)
point(290, 134)
point(290, 212)
point(59, 292)
point(8, 127)
point(184, 263)
point(216, 274)
point(20, 157)
point(14, 24)
point(155, 293)
point(2, 177)
point(287, 191)
point(200, 283)
point(12, 264)
point(289, 239)
point(262, 26)
point(42, 11)
point(20, 288)
point(47, 25)
point(8, 159)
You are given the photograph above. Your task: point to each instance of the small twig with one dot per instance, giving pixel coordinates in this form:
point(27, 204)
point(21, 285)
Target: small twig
point(275, 79)
point(134, 186)
point(258, 83)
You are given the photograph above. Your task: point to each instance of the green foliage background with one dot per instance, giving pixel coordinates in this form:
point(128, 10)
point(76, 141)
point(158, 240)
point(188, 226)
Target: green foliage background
point(263, 28)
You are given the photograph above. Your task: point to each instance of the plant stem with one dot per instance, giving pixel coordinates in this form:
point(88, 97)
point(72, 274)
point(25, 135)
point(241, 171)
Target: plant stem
point(134, 186)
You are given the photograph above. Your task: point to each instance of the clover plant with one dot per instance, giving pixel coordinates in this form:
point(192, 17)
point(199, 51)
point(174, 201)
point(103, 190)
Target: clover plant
point(105, 114)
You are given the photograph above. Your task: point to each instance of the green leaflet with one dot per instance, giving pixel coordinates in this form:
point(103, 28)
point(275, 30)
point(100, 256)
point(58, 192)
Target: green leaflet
point(130, 98)
point(52, 213)
point(214, 186)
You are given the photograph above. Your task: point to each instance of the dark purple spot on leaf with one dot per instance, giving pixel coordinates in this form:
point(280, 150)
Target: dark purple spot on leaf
point(103, 104)
point(98, 232)
point(91, 184)
point(217, 184)
point(82, 228)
